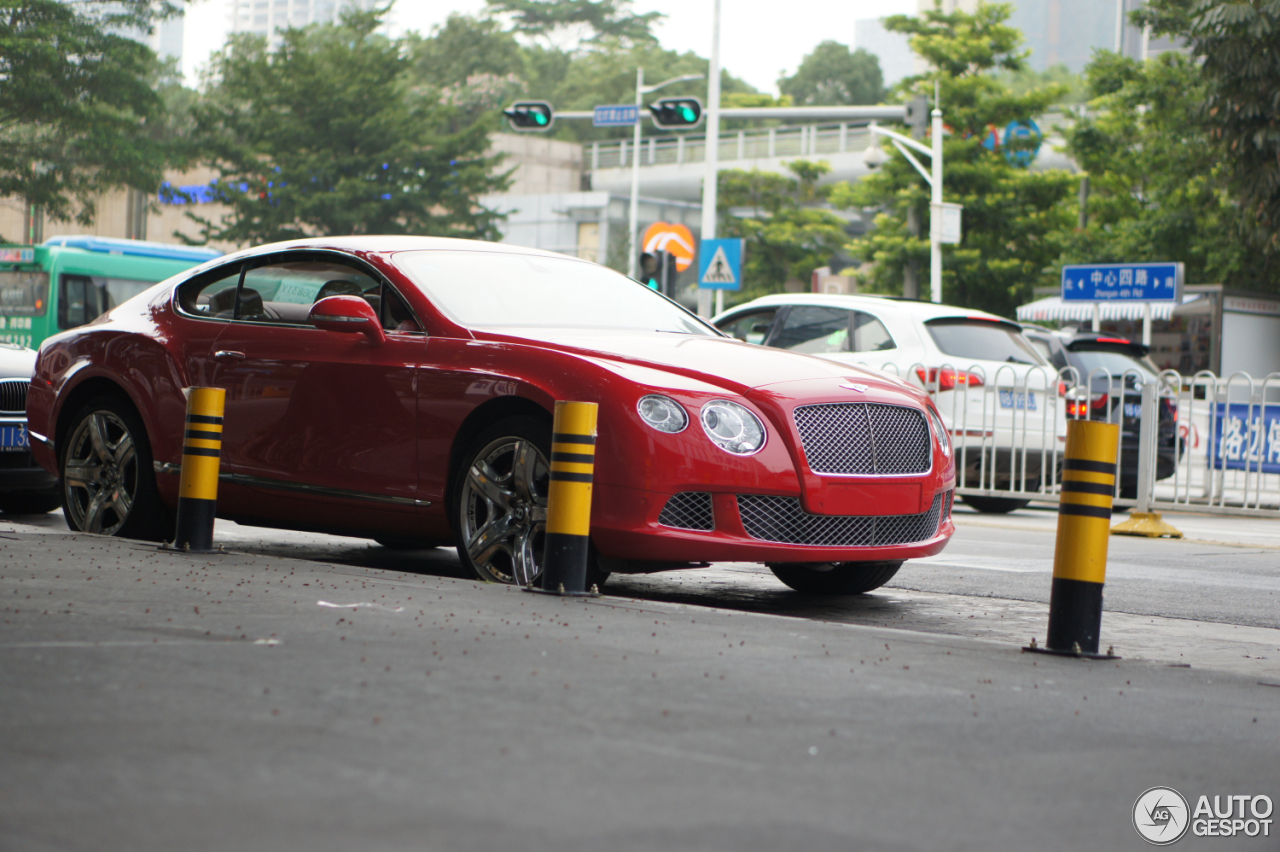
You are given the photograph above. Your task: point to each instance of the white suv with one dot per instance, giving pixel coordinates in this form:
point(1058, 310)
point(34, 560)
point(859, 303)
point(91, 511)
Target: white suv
point(999, 397)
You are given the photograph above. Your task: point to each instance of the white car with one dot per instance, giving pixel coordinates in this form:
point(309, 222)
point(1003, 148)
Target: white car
point(999, 397)
point(25, 487)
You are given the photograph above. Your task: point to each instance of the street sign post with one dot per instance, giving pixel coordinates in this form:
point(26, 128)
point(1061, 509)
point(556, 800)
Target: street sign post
point(617, 115)
point(720, 265)
point(1142, 283)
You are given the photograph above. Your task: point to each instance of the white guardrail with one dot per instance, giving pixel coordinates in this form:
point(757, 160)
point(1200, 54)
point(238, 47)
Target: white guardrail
point(1201, 443)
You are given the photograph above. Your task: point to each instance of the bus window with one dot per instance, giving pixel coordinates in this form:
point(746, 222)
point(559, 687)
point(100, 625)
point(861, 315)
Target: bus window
point(24, 294)
point(82, 298)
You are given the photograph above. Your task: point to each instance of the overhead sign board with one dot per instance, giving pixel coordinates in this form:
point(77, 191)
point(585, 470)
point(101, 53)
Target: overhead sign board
point(17, 255)
point(675, 240)
point(618, 115)
point(720, 265)
point(1122, 282)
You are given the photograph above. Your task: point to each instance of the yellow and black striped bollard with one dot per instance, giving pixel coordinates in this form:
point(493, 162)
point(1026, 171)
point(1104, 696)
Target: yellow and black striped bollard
point(201, 456)
point(1084, 529)
point(573, 460)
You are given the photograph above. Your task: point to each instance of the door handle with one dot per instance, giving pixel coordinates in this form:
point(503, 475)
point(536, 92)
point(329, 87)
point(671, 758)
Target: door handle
point(228, 355)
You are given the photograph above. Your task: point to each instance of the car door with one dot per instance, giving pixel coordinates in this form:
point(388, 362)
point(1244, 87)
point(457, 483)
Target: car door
point(327, 414)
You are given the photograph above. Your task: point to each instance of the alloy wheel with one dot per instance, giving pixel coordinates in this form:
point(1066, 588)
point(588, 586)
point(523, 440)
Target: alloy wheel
point(504, 510)
point(100, 476)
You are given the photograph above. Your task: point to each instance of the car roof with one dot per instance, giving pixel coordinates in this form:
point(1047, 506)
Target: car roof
point(392, 243)
point(917, 310)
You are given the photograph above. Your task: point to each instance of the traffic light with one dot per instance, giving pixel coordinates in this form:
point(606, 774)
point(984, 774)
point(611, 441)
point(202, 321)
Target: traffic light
point(530, 115)
point(650, 271)
point(917, 117)
point(676, 113)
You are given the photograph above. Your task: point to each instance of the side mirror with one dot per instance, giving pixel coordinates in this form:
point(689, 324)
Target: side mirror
point(348, 315)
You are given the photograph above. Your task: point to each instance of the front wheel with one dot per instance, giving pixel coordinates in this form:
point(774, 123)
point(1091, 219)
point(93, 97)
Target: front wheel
point(835, 578)
point(500, 508)
point(108, 484)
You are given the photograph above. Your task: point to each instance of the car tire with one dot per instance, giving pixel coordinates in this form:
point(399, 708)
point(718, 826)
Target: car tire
point(31, 502)
point(835, 578)
point(995, 505)
point(499, 503)
point(108, 482)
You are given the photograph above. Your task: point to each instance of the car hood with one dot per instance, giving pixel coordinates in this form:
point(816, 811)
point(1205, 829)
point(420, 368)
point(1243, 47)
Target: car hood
point(723, 362)
point(16, 361)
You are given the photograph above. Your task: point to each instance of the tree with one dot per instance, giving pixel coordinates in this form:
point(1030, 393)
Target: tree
point(787, 236)
point(79, 112)
point(604, 19)
point(832, 75)
point(325, 135)
point(1014, 218)
point(1237, 44)
point(1156, 187)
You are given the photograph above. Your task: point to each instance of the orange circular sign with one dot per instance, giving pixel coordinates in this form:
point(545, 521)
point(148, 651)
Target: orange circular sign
point(675, 240)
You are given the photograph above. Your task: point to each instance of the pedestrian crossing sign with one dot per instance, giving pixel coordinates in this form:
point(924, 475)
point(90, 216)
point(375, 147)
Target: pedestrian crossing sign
point(720, 265)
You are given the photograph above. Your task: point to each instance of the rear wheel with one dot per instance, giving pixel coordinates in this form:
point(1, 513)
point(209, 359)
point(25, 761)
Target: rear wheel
point(500, 507)
point(995, 505)
point(108, 484)
point(835, 578)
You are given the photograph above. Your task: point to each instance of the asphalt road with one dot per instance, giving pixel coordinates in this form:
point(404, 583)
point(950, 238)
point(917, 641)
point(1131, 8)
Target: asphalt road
point(306, 692)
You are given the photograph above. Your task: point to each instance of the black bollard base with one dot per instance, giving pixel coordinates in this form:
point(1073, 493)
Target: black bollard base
point(1075, 616)
point(195, 525)
point(564, 563)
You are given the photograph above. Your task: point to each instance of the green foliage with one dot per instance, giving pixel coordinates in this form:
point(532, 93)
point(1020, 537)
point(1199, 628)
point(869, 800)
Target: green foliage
point(1014, 219)
point(786, 237)
point(79, 113)
point(834, 75)
point(326, 135)
point(1155, 179)
point(605, 19)
point(1237, 45)
point(1028, 79)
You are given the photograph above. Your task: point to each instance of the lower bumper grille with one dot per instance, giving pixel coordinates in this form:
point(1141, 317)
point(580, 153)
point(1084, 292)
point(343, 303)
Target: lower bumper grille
point(784, 520)
point(689, 510)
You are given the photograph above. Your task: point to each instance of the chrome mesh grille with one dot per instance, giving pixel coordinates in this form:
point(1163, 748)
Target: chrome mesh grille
point(688, 510)
point(864, 438)
point(782, 519)
point(13, 396)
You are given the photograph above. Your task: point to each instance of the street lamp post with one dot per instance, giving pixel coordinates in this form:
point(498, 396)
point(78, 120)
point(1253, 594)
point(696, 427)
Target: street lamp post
point(875, 157)
point(641, 91)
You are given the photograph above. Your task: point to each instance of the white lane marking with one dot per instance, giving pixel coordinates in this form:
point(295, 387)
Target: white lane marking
point(1010, 569)
point(357, 605)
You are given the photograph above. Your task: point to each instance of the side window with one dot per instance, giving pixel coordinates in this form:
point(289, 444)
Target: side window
point(752, 327)
point(212, 294)
point(870, 335)
point(814, 330)
point(79, 300)
point(1042, 347)
point(284, 291)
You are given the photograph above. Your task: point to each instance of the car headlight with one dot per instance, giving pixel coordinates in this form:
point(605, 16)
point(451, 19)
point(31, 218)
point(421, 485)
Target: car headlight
point(940, 431)
point(662, 413)
point(732, 428)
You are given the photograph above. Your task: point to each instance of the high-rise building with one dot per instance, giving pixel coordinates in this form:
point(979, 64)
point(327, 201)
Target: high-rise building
point(892, 49)
point(1067, 32)
point(266, 17)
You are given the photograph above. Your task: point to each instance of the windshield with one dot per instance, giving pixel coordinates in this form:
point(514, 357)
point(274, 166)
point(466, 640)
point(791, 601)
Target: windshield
point(491, 290)
point(981, 340)
point(1110, 363)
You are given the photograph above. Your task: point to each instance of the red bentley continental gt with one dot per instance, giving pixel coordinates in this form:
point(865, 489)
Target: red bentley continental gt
point(401, 389)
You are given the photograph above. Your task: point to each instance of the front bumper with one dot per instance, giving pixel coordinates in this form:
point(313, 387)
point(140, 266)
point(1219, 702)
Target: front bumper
point(627, 525)
point(19, 472)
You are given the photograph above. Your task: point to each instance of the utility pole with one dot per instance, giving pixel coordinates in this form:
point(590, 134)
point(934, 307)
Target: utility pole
point(711, 160)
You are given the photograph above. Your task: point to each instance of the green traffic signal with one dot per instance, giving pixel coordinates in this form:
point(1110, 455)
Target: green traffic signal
point(530, 115)
point(676, 113)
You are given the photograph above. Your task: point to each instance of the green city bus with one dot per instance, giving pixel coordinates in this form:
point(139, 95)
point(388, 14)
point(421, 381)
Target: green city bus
point(68, 281)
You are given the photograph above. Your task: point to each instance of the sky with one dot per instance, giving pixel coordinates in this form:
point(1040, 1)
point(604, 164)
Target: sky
point(759, 39)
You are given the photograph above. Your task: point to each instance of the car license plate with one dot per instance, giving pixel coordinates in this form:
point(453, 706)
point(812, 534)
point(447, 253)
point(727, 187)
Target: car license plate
point(1019, 400)
point(1133, 409)
point(14, 439)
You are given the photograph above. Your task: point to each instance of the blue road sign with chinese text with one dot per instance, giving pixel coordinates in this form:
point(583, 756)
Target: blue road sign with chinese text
point(1245, 437)
point(619, 115)
point(720, 264)
point(1122, 282)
